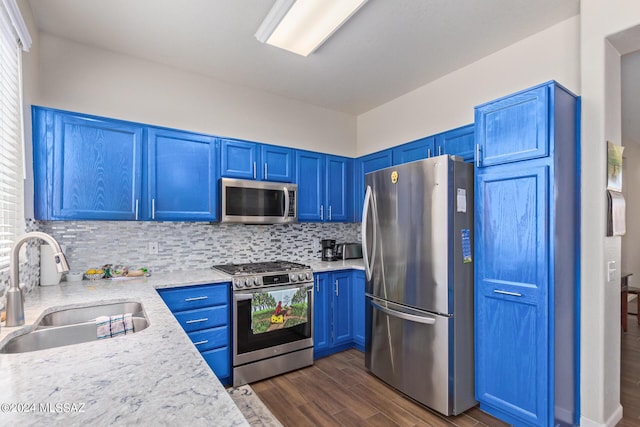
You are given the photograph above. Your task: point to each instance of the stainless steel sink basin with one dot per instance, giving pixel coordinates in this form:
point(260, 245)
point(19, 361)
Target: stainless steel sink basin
point(72, 316)
point(72, 326)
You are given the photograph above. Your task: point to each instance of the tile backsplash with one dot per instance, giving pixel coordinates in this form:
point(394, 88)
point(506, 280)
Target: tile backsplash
point(189, 245)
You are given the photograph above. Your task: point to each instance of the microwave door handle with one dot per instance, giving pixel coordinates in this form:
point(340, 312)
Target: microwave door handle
point(286, 202)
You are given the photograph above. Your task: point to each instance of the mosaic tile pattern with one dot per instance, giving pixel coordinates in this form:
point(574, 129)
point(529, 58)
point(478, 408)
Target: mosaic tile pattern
point(188, 245)
point(30, 269)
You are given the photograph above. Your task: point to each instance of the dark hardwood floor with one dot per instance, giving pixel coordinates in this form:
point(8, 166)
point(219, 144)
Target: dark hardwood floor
point(630, 374)
point(338, 391)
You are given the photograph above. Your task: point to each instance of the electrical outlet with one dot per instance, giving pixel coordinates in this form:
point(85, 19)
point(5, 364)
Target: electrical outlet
point(153, 248)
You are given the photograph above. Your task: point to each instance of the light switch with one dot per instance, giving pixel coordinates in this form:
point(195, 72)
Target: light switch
point(611, 269)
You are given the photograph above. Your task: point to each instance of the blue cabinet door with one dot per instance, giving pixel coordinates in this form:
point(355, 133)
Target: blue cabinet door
point(338, 188)
point(459, 142)
point(514, 128)
point(239, 159)
point(309, 177)
point(277, 163)
point(415, 150)
point(512, 337)
point(321, 313)
point(358, 304)
point(96, 168)
point(342, 308)
point(182, 178)
point(364, 165)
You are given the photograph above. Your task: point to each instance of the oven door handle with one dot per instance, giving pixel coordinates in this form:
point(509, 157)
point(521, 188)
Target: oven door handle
point(245, 297)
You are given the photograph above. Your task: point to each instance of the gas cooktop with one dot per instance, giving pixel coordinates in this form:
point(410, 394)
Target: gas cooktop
point(260, 267)
point(266, 274)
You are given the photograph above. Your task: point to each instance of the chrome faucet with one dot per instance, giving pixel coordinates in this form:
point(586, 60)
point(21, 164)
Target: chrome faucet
point(15, 299)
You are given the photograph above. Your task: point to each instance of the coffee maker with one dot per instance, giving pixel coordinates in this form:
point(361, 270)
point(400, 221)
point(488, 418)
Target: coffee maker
point(328, 250)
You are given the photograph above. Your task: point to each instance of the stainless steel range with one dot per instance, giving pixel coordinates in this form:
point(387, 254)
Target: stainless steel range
point(272, 318)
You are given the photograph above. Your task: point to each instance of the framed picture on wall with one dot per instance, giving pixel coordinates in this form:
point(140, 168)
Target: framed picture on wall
point(614, 166)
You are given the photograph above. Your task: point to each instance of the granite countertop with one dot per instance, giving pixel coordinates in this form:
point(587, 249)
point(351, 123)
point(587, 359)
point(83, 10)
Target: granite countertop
point(153, 375)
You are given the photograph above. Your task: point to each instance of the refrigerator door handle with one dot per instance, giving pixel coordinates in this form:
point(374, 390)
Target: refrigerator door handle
point(405, 316)
point(365, 248)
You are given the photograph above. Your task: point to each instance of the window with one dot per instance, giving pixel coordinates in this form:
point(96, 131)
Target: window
point(11, 163)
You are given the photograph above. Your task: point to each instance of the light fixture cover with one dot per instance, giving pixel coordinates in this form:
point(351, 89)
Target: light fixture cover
point(302, 26)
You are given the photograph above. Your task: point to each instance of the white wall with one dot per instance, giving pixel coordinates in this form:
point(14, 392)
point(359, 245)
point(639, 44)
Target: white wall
point(80, 78)
point(552, 54)
point(601, 121)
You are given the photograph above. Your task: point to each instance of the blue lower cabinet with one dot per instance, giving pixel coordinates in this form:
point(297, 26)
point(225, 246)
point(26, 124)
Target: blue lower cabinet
point(204, 313)
point(338, 312)
point(219, 361)
point(358, 303)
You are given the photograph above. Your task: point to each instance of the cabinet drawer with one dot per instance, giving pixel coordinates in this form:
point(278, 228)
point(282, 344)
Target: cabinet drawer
point(192, 297)
point(219, 360)
point(209, 339)
point(203, 318)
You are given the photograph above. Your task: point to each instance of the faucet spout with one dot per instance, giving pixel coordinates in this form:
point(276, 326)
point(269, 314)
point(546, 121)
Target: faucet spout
point(15, 300)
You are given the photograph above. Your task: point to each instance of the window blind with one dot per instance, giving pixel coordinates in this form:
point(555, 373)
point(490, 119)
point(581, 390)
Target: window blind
point(11, 174)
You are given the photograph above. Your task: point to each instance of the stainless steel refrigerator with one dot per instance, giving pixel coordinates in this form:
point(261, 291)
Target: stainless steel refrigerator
point(417, 240)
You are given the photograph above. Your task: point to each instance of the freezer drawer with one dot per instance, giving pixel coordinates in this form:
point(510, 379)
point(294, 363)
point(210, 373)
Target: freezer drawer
point(409, 350)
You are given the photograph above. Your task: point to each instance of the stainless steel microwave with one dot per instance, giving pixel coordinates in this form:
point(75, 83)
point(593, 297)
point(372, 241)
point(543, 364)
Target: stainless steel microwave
point(258, 202)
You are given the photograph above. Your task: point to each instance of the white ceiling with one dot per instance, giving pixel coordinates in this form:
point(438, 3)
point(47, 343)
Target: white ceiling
point(389, 48)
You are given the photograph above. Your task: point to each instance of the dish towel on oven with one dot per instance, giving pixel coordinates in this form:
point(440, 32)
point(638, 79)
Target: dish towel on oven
point(113, 326)
point(278, 309)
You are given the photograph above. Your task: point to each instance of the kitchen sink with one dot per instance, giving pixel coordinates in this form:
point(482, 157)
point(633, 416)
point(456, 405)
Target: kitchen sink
point(71, 316)
point(72, 326)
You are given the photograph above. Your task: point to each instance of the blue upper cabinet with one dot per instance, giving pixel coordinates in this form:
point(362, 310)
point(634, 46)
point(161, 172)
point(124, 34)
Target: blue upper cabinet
point(86, 167)
point(239, 159)
point(277, 163)
point(250, 160)
point(459, 142)
point(181, 175)
point(309, 177)
point(513, 128)
point(324, 187)
point(415, 150)
point(364, 165)
point(338, 188)
point(526, 235)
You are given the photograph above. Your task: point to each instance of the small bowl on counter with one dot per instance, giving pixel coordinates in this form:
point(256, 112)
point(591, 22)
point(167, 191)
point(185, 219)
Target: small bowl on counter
point(74, 276)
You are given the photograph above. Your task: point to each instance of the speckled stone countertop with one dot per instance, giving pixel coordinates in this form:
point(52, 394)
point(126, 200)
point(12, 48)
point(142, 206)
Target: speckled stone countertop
point(155, 376)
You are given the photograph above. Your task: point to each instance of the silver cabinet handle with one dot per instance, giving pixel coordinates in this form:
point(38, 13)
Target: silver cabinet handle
point(201, 342)
point(254, 170)
point(204, 319)
point(321, 212)
point(405, 316)
point(317, 285)
point(195, 299)
point(428, 152)
point(153, 208)
point(337, 291)
point(266, 171)
point(136, 209)
point(329, 212)
point(513, 294)
point(477, 155)
point(439, 150)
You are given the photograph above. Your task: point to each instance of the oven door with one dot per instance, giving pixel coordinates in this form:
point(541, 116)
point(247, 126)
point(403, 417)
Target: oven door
point(249, 347)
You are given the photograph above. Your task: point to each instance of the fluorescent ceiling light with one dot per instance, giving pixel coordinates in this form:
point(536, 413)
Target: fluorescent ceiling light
point(302, 26)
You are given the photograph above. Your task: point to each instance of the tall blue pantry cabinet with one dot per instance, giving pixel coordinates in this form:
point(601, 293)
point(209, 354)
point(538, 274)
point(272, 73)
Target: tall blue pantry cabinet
point(526, 248)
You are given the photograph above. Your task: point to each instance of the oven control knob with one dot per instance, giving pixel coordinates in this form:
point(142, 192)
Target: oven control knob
point(308, 276)
point(300, 276)
point(250, 282)
point(254, 281)
point(239, 283)
point(294, 278)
